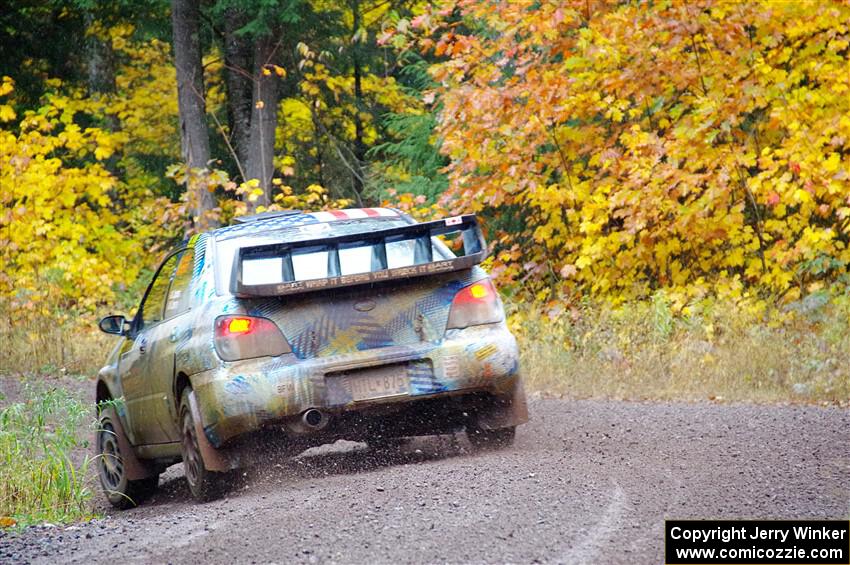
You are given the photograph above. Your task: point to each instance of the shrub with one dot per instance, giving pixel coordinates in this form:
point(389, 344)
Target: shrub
point(43, 476)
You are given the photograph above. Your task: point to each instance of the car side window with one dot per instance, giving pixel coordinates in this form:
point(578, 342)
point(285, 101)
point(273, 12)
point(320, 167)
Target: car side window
point(152, 308)
point(179, 293)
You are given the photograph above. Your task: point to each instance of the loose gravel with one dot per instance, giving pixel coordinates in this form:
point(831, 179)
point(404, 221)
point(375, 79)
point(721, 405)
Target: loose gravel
point(586, 482)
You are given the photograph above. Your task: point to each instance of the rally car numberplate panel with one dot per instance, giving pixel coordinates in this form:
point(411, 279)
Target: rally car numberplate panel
point(369, 384)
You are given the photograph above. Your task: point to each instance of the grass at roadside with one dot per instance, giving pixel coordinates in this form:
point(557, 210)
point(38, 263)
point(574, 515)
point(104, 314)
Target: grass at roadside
point(43, 347)
point(47, 418)
point(719, 351)
point(44, 458)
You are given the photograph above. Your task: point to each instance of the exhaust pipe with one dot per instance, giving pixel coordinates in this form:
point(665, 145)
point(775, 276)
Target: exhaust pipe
point(314, 419)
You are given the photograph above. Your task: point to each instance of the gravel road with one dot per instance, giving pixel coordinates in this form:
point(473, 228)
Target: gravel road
point(586, 482)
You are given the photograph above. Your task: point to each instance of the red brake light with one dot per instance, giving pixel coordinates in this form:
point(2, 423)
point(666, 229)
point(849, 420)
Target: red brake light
point(246, 337)
point(474, 305)
point(480, 291)
point(475, 293)
point(239, 326)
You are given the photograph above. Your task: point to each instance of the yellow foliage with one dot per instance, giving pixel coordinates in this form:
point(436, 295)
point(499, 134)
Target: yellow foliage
point(73, 234)
point(60, 250)
point(676, 145)
point(146, 101)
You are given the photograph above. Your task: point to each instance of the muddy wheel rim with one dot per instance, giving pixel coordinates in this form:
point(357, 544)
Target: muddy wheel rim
point(110, 464)
point(191, 452)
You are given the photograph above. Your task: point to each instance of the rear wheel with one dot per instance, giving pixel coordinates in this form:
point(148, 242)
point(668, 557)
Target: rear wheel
point(491, 439)
point(205, 485)
point(121, 492)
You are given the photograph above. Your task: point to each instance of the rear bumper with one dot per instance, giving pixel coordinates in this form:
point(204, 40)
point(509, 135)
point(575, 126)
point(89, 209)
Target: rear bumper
point(479, 362)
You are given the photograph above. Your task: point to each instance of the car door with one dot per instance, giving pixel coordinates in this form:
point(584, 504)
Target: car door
point(139, 398)
point(164, 339)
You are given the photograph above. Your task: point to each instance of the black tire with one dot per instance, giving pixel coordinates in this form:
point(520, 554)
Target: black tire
point(491, 439)
point(121, 492)
point(205, 485)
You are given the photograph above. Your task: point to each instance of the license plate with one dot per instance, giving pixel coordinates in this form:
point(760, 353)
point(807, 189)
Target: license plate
point(379, 382)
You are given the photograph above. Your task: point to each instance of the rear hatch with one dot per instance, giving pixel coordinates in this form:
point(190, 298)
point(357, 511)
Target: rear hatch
point(403, 311)
point(348, 320)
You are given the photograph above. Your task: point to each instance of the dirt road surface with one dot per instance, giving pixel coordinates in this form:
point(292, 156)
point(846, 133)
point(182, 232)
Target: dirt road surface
point(586, 482)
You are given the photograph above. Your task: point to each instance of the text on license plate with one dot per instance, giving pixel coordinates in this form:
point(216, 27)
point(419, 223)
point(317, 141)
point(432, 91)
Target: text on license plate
point(379, 382)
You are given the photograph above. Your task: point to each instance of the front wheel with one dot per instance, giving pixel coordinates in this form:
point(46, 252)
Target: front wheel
point(491, 439)
point(121, 492)
point(204, 484)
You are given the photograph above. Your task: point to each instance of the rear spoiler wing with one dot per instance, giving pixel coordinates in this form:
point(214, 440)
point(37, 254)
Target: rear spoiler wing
point(475, 251)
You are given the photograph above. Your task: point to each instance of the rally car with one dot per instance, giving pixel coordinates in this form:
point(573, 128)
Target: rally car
point(305, 328)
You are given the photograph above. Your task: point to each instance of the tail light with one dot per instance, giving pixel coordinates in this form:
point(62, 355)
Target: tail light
point(246, 337)
point(474, 305)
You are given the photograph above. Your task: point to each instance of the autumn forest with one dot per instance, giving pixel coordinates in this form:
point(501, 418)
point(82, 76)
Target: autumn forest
point(643, 170)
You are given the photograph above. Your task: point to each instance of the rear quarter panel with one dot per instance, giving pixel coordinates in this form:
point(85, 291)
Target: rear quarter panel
point(195, 351)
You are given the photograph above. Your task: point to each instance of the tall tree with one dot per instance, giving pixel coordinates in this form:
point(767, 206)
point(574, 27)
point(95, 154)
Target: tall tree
point(238, 72)
point(358, 34)
point(346, 83)
point(265, 98)
point(101, 58)
point(252, 34)
point(194, 137)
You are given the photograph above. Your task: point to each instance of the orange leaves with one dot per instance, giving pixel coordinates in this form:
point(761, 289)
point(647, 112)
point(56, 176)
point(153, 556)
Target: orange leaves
point(637, 146)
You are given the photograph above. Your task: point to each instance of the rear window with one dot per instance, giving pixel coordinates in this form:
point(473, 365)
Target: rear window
point(310, 264)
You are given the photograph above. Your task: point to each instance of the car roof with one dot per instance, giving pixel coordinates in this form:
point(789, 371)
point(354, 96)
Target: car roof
point(273, 221)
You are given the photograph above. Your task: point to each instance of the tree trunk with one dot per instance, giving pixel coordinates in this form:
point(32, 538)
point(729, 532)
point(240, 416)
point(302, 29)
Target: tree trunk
point(194, 137)
point(101, 60)
point(359, 145)
point(238, 71)
point(317, 144)
point(100, 74)
point(265, 99)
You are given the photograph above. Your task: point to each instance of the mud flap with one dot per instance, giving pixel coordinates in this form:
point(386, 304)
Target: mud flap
point(506, 411)
point(214, 459)
point(135, 468)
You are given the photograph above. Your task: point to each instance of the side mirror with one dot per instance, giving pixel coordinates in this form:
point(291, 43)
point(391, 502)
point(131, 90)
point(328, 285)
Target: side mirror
point(113, 325)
